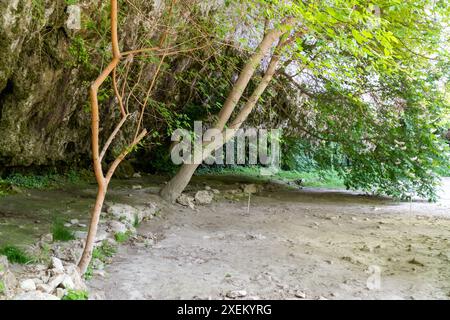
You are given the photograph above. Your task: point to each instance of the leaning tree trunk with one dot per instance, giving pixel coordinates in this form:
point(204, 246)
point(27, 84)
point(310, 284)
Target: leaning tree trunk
point(176, 186)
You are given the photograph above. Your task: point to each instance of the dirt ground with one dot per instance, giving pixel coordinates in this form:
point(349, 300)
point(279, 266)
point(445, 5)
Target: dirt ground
point(292, 244)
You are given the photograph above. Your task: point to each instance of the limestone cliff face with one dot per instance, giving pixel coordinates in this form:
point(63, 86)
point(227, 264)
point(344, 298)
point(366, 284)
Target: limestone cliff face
point(41, 119)
point(46, 67)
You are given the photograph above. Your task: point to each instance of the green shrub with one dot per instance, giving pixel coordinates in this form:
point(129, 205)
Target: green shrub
point(15, 255)
point(122, 237)
point(60, 232)
point(2, 287)
point(76, 295)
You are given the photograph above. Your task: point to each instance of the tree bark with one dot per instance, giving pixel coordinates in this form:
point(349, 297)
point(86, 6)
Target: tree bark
point(176, 186)
point(97, 157)
point(244, 78)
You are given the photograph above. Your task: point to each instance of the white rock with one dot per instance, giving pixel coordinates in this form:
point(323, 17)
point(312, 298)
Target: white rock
point(137, 187)
point(82, 225)
point(215, 191)
point(101, 235)
point(67, 283)
point(35, 295)
point(99, 273)
point(117, 227)
point(186, 201)
point(47, 238)
point(28, 285)
point(250, 188)
point(98, 264)
point(60, 293)
point(57, 265)
point(137, 175)
point(9, 282)
point(236, 294)
point(74, 274)
point(147, 211)
point(80, 234)
point(4, 265)
point(300, 294)
point(204, 197)
point(44, 288)
point(56, 281)
point(122, 212)
point(208, 188)
point(74, 221)
point(67, 225)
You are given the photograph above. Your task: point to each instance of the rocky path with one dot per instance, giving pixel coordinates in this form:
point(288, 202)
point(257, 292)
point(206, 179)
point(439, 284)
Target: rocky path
point(290, 245)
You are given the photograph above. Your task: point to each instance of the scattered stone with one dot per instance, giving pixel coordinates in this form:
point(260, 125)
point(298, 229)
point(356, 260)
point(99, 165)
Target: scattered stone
point(137, 175)
point(215, 191)
point(116, 227)
point(44, 288)
point(56, 281)
point(28, 285)
point(80, 234)
point(250, 188)
point(82, 225)
point(97, 264)
point(122, 212)
point(99, 273)
point(74, 221)
point(60, 293)
point(300, 294)
point(186, 201)
point(67, 283)
point(9, 282)
point(255, 237)
point(236, 294)
point(207, 188)
point(101, 235)
point(74, 274)
point(57, 265)
point(67, 225)
point(47, 238)
point(97, 296)
point(204, 197)
point(137, 187)
point(416, 262)
point(35, 295)
point(4, 265)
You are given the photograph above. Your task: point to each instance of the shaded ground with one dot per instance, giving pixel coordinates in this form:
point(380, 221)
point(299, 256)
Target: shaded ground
point(317, 243)
point(292, 243)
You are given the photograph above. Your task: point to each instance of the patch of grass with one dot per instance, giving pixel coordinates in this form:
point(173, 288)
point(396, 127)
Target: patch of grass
point(313, 178)
point(15, 255)
point(2, 287)
point(122, 237)
point(14, 182)
point(89, 272)
point(44, 255)
point(76, 295)
point(103, 253)
point(60, 232)
point(136, 221)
